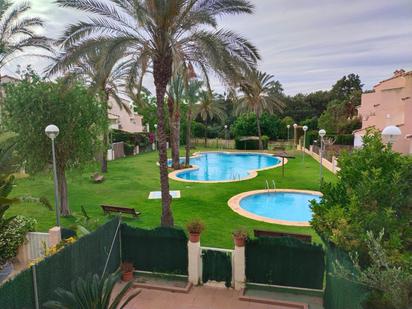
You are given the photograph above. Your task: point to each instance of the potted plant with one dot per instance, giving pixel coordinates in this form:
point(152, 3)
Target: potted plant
point(127, 271)
point(195, 227)
point(240, 236)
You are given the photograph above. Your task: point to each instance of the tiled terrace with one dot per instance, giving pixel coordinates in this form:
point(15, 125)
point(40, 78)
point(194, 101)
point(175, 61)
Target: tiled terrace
point(203, 297)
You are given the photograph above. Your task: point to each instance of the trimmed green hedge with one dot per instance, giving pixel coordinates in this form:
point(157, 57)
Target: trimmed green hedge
point(161, 250)
point(285, 261)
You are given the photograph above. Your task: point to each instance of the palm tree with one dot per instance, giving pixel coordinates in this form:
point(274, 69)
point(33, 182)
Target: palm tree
point(103, 70)
point(175, 95)
point(163, 34)
point(209, 108)
point(17, 31)
point(259, 96)
point(93, 292)
point(192, 97)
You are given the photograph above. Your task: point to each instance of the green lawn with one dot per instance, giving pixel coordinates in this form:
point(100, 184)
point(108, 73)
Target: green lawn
point(130, 180)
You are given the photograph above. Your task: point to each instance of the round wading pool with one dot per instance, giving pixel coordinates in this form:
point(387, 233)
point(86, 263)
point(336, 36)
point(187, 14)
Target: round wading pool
point(288, 207)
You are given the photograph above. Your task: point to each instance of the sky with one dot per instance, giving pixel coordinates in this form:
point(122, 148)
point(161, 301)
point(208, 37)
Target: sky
point(306, 44)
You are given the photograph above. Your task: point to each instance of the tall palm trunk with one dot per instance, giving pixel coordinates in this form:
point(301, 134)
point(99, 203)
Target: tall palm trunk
point(176, 135)
point(162, 72)
point(188, 136)
point(103, 166)
point(259, 132)
point(174, 122)
point(62, 187)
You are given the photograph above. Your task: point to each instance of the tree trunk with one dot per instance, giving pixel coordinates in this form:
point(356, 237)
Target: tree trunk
point(103, 166)
point(162, 72)
point(104, 154)
point(188, 136)
point(176, 136)
point(259, 132)
point(174, 122)
point(62, 186)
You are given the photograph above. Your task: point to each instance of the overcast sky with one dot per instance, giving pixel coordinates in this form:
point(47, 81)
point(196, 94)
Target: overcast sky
point(306, 44)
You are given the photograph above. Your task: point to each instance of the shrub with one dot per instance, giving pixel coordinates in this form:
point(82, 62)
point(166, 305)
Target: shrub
point(245, 125)
point(372, 193)
point(12, 236)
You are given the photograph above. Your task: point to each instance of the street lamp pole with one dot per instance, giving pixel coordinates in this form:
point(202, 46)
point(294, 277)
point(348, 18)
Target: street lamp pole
point(226, 139)
point(295, 126)
point(305, 128)
point(322, 134)
point(288, 126)
point(52, 131)
point(155, 126)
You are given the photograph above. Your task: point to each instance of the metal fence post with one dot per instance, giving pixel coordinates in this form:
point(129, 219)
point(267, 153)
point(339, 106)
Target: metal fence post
point(36, 293)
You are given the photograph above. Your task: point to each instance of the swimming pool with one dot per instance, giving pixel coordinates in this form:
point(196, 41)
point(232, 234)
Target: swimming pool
point(225, 166)
point(282, 206)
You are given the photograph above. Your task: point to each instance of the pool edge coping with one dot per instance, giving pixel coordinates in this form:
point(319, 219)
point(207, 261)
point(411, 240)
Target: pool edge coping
point(234, 204)
point(252, 173)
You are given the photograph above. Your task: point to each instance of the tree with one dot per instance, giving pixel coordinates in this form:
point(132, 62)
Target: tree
point(175, 96)
point(259, 95)
point(93, 292)
point(102, 70)
point(391, 284)
point(32, 104)
point(372, 193)
point(208, 109)
point(17, 31)
point(192, 97)
point(162, 34)
point(346, 87)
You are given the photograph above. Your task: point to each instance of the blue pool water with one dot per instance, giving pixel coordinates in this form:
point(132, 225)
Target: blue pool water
point(218, 166)
point(288, 206)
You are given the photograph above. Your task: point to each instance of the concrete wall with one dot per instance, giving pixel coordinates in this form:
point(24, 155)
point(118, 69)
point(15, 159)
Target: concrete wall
point(390, 103)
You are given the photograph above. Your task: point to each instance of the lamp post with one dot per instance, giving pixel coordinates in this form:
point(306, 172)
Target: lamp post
point(391, 133)
point(305, 128)
point(226, 139)
point(155, 126)
point(322, 134)
point(288, 127)
point(52, 131)
point(295, 125)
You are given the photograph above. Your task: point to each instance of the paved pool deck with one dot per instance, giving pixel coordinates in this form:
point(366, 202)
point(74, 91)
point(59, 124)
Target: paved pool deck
point(199, 297)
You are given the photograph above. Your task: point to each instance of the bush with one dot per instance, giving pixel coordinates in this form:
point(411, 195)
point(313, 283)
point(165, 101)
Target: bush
point(245, 125)
point(133, 139)
point(128, 149)
point(251, 144)
point(344, 139)
point(372, 193)
point(12, 236)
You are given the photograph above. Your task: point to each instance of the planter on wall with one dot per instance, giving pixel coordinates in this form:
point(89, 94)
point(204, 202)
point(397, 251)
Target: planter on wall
point(194, 237)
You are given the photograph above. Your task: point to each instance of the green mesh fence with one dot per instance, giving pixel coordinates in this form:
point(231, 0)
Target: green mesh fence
point(159, 250)
point(18, 293)
point(340, 293)
point(87, 255)
point(285, 261)
point(217, 265)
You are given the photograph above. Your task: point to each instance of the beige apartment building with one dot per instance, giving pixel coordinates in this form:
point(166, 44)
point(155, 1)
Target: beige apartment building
point(389, 103)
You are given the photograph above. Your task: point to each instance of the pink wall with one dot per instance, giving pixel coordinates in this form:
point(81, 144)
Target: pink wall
point(130, 122)
point(390, 103)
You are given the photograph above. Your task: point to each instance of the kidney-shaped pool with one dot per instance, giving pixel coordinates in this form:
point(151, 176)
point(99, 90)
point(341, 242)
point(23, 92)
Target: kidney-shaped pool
point(225, 166)
point(289, 207)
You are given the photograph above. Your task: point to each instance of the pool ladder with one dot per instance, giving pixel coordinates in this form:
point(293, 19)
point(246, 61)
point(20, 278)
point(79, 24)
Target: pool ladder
point(268, 187)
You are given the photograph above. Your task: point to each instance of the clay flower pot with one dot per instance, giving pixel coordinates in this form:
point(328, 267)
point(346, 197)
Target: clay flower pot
point(194, 237)
point(239, 241)
point(127, 276)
